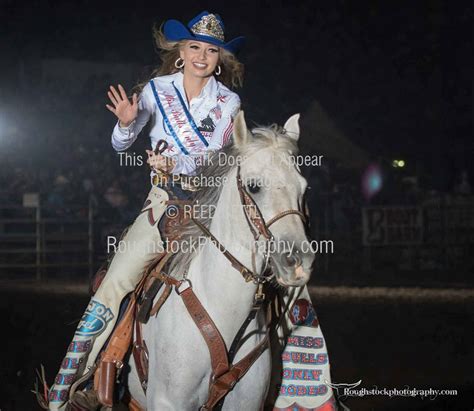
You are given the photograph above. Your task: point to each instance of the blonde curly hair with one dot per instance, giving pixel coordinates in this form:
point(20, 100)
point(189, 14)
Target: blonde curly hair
point(232, 70)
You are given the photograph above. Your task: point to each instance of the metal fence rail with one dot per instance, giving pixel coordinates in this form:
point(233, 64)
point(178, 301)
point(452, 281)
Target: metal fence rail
point(30, 241)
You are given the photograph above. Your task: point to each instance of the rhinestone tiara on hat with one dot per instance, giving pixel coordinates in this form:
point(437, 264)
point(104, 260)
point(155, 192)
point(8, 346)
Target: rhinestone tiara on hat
point(209, 26)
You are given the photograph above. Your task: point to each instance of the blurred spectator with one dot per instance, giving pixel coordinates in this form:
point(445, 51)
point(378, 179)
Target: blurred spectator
point(115, 197)
point(56, 201)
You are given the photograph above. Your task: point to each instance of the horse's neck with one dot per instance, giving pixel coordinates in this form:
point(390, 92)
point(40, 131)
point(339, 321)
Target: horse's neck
point(220, 287)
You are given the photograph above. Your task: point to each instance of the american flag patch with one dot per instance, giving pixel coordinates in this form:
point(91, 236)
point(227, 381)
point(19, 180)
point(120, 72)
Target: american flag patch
point(217, 112)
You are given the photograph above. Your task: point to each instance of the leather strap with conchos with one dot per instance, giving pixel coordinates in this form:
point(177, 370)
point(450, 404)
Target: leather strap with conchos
point(224, 375)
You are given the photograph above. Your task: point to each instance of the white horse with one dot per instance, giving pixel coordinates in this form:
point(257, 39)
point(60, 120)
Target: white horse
point(179, 360)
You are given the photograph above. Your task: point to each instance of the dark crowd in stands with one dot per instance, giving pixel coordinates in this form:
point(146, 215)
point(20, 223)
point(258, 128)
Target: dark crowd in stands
point(69, 159)
point(69, 168)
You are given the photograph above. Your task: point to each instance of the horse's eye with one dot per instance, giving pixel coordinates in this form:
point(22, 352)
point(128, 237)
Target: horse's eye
point(253, 187)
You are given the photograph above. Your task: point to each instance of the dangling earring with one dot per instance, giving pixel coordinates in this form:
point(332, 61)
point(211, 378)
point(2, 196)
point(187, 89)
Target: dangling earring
point(218, 71)
point(179, 65)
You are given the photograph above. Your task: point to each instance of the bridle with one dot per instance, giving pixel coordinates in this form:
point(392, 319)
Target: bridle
point(259, 228)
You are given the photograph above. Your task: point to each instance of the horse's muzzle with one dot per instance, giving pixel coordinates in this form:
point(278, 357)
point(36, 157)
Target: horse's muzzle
point(292, 269)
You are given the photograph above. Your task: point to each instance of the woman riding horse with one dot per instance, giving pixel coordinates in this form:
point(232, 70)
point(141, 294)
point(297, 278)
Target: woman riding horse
point(193, 110)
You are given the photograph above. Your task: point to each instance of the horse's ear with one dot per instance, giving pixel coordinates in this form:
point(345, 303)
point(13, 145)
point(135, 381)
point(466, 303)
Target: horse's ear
point(292, 127)
point(241, 133)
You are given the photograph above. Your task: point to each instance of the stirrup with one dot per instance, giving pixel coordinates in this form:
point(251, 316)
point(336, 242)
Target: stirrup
point(80, 380)
point(83, 401)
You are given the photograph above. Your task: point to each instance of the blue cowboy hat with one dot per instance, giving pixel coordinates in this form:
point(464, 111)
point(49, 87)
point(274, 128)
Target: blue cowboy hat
point(205, 27)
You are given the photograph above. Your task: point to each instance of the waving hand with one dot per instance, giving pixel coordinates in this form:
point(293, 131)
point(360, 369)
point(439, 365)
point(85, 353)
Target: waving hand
point(125, 111)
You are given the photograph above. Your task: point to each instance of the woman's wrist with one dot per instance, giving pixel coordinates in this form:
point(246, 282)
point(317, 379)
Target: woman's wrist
point(124, 125)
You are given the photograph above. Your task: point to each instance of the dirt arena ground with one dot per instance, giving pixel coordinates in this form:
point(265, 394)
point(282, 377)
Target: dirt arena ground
point(388, 338)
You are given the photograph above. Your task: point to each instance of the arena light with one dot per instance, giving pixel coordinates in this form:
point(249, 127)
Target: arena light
point(398, 163)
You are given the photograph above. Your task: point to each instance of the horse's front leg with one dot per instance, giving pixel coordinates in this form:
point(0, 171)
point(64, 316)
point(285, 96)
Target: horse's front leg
point(250, 392)
point(179, 367)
